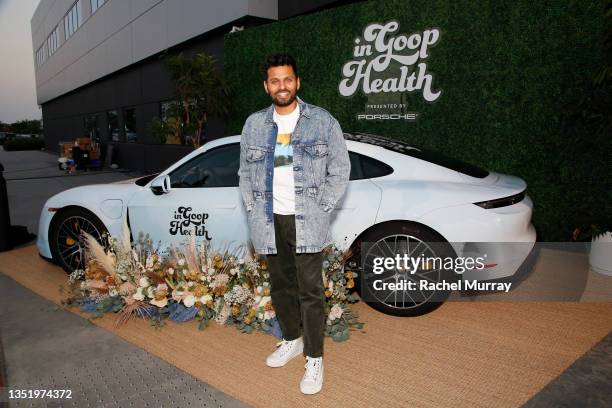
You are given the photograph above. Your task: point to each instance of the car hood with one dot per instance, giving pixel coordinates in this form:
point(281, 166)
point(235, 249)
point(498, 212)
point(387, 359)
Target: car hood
point(93, 195)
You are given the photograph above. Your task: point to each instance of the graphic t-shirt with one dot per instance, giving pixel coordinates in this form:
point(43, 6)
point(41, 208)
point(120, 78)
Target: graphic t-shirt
point(283, 195)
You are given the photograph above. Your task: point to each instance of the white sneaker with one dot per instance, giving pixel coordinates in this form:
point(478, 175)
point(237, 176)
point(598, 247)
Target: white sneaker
point(286, 350)
point(313, 377)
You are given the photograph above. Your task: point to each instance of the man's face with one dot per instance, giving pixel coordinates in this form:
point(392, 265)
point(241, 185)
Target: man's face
point(282, 85)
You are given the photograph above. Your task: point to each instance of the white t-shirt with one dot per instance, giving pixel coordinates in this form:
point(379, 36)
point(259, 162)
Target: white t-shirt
point(283, 190)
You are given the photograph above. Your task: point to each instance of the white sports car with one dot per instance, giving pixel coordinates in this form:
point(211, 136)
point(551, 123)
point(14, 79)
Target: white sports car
point(396, 194)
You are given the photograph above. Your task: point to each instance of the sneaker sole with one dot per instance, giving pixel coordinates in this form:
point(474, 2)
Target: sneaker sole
point(282, 363)
point(312, 390)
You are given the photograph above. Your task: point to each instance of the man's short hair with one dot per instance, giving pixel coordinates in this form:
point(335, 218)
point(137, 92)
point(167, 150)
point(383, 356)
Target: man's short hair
point(277, 60)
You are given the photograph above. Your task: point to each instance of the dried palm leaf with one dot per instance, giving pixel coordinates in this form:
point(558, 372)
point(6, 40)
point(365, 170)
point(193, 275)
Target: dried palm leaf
point(95, 251)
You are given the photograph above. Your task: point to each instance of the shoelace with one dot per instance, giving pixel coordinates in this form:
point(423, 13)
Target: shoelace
point(313, 367)
point(282, 347)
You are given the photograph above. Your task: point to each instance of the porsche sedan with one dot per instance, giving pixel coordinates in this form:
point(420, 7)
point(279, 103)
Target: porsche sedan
point(399, 199)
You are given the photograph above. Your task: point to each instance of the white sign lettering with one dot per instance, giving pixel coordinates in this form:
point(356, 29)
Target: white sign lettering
point(408, 50)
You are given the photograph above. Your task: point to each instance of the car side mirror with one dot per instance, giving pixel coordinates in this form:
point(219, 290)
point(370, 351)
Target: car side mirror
point(161, 185)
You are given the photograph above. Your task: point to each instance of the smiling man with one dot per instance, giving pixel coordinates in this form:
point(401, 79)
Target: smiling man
point(294, 168)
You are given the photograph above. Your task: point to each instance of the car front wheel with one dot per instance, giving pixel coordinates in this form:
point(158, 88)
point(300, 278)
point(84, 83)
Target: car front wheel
point(65, 238)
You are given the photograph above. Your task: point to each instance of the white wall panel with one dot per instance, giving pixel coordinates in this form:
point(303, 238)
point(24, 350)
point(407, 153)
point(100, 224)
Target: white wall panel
point(150, 32)
point(122, 32)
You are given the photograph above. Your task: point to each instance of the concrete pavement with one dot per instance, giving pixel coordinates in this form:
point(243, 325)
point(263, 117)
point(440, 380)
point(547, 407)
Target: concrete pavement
point(46, 347)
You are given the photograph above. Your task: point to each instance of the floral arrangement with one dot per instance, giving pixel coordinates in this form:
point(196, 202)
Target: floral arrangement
point(197, 282)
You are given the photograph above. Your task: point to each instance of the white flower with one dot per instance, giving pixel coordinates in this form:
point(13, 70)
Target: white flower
point(269, 314)
point(149, 262)
point(113, 292)
point(335, 312)
point(241, 261)
point(257, 300)
point(161, 286)
point(266, 284)
point(234, 271)
point(259, 289)
point(261, 316)
point(177, 295)
point(170, 271)
point(264, 300)
point(203, 278)
point(206, 298)
point(181, 262)
point(138, 295)
point(150, 291)
point(189, 301)
point(144, 282)
point(159, 303)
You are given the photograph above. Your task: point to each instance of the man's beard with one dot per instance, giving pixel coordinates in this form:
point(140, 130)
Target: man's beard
point(284, 102)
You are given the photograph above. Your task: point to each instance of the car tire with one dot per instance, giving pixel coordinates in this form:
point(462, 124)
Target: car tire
point(67, 250)
point(418, 232)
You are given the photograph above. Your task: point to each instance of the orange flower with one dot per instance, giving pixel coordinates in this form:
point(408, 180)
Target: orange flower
point(161, 294)
point(218, 262)
point(350, 283)
point(192, 275)
point(200, 290)
point(235, 310)
point(268, 307)
point(328, 293)
point(110, 280)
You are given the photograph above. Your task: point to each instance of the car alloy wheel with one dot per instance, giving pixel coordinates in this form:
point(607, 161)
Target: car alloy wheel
point(413, 240)
point(66, 241)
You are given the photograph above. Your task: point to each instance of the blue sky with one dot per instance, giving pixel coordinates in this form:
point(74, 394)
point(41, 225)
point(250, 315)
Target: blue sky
point(17, 83)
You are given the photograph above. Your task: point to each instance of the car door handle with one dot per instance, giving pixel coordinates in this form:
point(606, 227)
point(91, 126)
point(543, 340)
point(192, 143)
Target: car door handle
point(225, 207)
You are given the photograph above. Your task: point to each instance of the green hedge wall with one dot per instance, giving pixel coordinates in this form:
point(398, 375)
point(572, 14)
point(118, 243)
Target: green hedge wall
point(508, 70)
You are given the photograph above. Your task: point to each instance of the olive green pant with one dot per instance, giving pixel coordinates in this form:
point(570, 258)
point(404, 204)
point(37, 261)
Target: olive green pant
point(297, 288)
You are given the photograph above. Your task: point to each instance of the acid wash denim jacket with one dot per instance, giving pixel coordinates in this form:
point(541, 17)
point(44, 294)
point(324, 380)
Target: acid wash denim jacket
point(321, 169)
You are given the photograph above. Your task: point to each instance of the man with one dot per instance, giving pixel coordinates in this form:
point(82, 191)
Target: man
point(294, 168)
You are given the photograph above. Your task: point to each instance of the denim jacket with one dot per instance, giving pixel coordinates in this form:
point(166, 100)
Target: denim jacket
point(321, 169)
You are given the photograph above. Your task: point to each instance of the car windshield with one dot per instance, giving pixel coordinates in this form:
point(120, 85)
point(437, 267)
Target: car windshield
point(422, 154)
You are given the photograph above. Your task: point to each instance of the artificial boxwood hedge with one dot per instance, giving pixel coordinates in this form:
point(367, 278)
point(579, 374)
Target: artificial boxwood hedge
point(508, 69)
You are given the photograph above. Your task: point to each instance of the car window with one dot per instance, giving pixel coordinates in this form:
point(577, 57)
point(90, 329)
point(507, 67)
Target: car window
point(215, 168)
point(422, 154)
point(364, 167)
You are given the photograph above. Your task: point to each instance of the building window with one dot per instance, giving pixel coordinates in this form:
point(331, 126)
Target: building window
point(73, 19)
point(53, 41)
point(40, 55)
point(91, 127)
point(129, 124)
point(96, 4)
point(112, 118)
point(167, 109)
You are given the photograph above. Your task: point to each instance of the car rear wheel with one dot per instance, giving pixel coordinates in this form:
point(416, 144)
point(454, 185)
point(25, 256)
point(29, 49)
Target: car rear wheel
point(65, 238)
point(393, 238)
